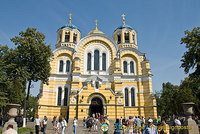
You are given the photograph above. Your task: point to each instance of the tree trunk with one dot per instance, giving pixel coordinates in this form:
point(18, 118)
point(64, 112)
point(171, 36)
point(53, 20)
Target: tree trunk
point(25, 102)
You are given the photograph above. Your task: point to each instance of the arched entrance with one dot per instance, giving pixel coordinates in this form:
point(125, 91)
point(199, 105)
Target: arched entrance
point(96, 106)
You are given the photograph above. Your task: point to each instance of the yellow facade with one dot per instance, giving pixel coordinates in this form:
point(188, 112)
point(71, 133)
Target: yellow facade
point(97, 74)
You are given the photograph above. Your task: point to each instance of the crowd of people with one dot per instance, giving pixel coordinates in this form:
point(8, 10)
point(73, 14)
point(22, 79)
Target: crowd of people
point(133, 124)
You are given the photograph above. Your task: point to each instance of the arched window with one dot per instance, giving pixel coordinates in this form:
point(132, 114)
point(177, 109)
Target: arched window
point(132, 67)
point(61, 66)
point(119, 38)
point(104, 61)
point(66, 97)
point(132, 97)
point(125, 67)
point(96, 60)
point(68, 66)
point(89, 61)
point(126, 97)
point(59, 96)
point(67, 35)
point(75, 38)
point(126, 37)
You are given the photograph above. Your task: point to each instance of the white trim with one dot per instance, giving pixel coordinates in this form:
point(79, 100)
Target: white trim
point(64, 59)
point(63, 92)
point(128, 60)
point(102, 49)
point(129, 93)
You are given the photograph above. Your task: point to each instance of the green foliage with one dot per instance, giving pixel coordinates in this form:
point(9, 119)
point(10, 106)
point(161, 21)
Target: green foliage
point(31, 106)
point(33, 57)
point(191, 58)
point(171, 96)
point(23, 130)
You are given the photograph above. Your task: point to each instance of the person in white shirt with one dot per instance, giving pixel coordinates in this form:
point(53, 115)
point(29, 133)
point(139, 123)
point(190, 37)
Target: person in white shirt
point(63, 125)
point(57, 127)
point(75, 122)
point(37, 124)
point(10, 130)
point(44, 124)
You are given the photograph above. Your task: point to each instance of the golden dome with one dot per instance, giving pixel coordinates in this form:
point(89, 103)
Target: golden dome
point(96, 30)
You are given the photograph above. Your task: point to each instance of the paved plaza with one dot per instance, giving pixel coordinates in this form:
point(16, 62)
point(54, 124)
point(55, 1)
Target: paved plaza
point(69, 129)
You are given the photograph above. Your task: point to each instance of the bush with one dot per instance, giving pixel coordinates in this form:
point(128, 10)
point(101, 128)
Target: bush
point(23, 130)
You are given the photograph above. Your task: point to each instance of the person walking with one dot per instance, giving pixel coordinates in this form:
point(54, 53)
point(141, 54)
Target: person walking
point(138, 125)
point(44, 124)
point(75, 123)
point(130, 125)
point(117, 126)
point(84, 122)
point(63, 125)
point(37, 124)
point(95, 124)
point(57, 127)
point(150, 128)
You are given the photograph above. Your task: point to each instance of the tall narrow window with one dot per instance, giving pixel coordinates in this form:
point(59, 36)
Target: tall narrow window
point(61, 66)
point(68, 66)
point(75, 38)
point(89, 61)
point(96, 60)
point(132, 67)
point(66, 97)
point(59, 96)
point(133, 38)
point(132, 97)
point(104, 61)
point(119, 38)
point(126, 97)
point(60, 37)
point(125, 67)
point(67, 35)
point(126, 37)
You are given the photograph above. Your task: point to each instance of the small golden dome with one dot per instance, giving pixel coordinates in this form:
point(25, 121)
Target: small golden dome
point(96, 30)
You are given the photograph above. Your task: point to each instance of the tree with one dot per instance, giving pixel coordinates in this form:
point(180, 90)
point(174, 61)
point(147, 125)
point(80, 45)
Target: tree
point(191, 58)
point(31, 106)
point(11, 84)
point(33, 55)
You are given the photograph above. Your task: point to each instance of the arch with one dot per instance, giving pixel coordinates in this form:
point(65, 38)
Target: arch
point(61, 66)
point(93, 95)
point(96, 106)
point(96, 59)
point(94, 37)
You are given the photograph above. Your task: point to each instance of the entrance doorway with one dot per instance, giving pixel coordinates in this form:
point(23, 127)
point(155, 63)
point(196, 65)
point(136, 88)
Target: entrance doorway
point(96, 106)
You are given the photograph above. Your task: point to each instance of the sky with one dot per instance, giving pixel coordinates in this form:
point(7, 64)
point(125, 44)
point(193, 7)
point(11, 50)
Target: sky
point(160, 25)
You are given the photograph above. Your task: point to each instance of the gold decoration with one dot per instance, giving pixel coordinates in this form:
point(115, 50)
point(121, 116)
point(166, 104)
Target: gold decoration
point(123, 15)
point(70, 18)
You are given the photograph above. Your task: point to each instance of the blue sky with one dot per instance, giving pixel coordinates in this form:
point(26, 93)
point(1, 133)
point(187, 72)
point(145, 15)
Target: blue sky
point(160, 25)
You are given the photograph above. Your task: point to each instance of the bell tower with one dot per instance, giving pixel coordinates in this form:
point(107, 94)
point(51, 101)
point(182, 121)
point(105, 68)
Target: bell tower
point(125, 35)
point(68, 35)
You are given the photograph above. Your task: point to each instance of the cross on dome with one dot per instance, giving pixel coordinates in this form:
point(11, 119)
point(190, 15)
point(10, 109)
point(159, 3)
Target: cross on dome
point(96, 24)
point(123, 15)
point(70, 18)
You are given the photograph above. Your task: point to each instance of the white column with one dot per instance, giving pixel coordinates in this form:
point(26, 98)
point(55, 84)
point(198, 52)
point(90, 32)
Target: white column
point(100, 62)
point(92, 61)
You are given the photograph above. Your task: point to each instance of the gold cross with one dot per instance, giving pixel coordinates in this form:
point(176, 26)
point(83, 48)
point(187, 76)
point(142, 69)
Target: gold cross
point(96, 23)
point(123, 15)
point(70, 18)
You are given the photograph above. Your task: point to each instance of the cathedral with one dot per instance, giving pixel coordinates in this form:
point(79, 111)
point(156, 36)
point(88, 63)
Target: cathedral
point(97, 74)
